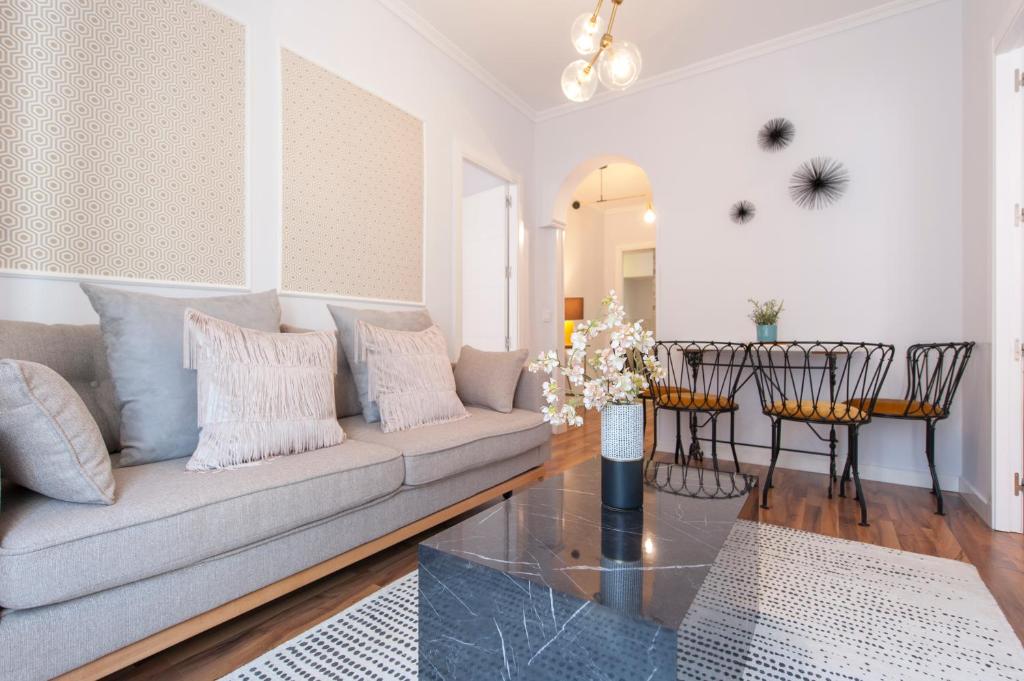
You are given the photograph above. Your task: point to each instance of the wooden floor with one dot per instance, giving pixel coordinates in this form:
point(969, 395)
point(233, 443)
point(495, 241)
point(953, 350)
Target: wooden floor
point(901, 517)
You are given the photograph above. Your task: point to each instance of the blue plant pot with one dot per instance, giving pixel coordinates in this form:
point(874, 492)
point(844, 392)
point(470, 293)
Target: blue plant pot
point(767, 333)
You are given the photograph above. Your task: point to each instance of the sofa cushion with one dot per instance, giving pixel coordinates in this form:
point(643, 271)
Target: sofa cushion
point(261, 395)
point(346, 319)
point(49, 442)
point(346, 395)
point(143, 338)
point(489, 379)
point(166, 518)
point(436, 452)
point(76, 353)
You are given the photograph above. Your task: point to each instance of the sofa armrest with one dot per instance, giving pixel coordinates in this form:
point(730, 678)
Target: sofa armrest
point(528, 391)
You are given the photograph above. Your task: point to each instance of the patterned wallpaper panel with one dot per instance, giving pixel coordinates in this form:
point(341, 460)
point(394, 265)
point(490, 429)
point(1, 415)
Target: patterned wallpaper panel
point(353, 189)
point(122, 140)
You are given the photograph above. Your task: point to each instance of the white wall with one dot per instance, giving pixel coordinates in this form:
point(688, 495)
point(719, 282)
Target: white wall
point(983, 24)
point(884, 264)
point(364, 42)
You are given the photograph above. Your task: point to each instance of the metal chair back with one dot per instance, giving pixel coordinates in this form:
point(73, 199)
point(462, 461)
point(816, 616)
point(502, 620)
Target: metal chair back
point(813, 381)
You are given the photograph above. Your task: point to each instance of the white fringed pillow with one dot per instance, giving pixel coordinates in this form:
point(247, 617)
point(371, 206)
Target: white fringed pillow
point(410, 377)
point(261, 394)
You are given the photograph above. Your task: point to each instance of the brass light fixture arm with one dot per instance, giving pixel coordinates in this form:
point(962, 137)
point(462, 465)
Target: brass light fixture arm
point(606, 39)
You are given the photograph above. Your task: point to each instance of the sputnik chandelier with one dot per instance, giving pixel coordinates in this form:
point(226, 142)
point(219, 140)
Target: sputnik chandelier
point(616, 63)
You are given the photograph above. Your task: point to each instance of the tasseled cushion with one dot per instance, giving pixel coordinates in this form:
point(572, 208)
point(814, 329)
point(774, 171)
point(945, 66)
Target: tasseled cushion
point(261, 395)
point(410, 377)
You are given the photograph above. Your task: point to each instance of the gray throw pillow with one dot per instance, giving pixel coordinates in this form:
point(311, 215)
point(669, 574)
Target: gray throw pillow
point(49, 442)
point(489, 379)
point(143, 338)
point(346, 319)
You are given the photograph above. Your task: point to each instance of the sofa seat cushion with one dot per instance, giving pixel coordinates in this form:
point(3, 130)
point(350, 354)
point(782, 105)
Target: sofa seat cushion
point(441, 451)
point(167, 518)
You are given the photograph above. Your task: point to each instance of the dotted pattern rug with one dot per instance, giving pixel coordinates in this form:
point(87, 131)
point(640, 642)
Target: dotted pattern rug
point(820, 608)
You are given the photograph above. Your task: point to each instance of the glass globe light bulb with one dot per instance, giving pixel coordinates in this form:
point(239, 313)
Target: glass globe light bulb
point(619, 66)
point(586, 33)
point(649, 215)
point(579, 81)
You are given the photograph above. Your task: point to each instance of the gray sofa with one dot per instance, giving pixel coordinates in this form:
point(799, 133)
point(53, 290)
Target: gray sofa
point(78, 581)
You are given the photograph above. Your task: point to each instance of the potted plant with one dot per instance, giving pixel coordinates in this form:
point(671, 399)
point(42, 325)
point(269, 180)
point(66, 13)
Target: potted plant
point(606, 380)
point(766, 316)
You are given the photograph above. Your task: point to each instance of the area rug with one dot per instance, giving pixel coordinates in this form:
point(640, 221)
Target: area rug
point(823, 608)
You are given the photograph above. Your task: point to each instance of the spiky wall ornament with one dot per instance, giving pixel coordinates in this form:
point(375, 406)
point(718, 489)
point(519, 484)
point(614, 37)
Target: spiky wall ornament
point(818, 183)
point(776, 134)
point(742, 212)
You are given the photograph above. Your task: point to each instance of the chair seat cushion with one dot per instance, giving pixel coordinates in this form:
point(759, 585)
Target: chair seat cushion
point(820, 410)
point(684, 399)
point(896, 407)
point(167, 518)
point(441, 451)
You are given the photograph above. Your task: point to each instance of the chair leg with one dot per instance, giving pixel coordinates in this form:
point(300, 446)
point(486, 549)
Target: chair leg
point(776, 444)
point(714, 441)
point(831, 460)
point(856, 476)
point(679, 437)
point(654, 417)
point(930, 452)
point(732, 440)
point(695, 451)
point(845, 478)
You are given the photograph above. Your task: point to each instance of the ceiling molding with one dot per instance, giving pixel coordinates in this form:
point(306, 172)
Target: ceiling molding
point(441, 42)
point(800, 37)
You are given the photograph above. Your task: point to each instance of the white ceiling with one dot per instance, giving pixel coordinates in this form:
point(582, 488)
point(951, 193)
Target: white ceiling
point(524, 44)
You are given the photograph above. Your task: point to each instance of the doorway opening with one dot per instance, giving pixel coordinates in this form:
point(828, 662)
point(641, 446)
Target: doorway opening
point(610, 244)
point(489, 213)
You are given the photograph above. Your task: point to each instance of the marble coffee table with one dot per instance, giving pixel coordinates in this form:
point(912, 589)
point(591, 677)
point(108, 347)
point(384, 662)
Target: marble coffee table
point(551, 585)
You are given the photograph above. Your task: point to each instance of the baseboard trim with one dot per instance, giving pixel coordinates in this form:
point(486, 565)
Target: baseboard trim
point(819, 464)
point(980, 503)
point(130, 654)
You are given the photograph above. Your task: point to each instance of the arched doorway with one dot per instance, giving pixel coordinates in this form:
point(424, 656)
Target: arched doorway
point(606, 216)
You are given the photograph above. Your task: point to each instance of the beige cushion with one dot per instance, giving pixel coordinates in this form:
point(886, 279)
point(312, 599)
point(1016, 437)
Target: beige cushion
point(49, 441)
point(167, 518)
point(489, 379)
point(346, 395)
point(261, 395)
point(346, 318)
point(436, 452)
point(409, 377)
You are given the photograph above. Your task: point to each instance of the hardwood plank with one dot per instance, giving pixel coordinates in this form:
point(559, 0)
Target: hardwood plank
point(901, 517)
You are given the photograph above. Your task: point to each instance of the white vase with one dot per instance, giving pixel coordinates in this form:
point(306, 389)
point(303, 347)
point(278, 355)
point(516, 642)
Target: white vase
point(622, 454)
point(622, 432)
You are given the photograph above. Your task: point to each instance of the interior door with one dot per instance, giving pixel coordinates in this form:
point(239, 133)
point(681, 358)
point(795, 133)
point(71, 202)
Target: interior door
point(486, 261)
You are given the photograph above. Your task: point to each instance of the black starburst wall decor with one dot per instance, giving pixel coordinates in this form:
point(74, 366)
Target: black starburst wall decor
point(742, 212)
point(776, 134)
point(818, 183)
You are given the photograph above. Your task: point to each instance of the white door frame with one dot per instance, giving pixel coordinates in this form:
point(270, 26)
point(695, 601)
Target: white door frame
point(1007, 366)
point(516, 235)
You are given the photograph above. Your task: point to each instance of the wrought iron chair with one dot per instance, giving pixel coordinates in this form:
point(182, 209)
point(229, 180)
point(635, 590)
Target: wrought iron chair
point(934, 371)
point(814, 383)
point(701, 377)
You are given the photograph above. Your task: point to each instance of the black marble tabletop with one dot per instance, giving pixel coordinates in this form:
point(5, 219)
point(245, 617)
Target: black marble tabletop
point(551, 560)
